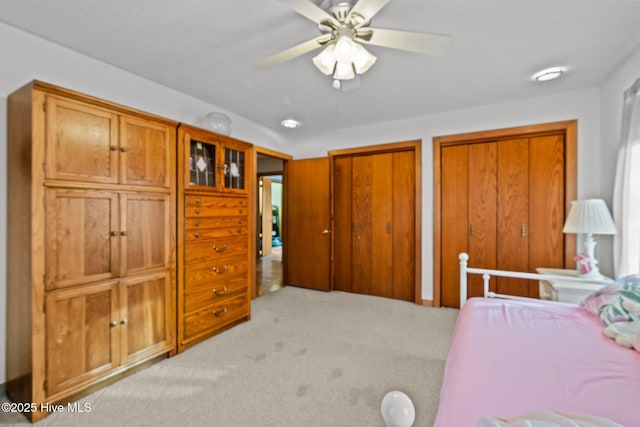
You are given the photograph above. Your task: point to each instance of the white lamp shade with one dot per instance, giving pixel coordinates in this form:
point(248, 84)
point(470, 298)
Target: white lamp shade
point(345, 49)
point(325, 61)
point(344, 71)
point(589, 217)
point(344, 59)
point(363, 60)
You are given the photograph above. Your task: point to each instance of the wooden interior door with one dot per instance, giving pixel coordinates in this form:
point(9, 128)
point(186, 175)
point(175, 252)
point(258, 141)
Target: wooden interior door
point(308, 238)
point(267, 217)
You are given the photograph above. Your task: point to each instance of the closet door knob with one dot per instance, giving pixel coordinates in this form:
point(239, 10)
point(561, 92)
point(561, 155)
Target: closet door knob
point(113, 324)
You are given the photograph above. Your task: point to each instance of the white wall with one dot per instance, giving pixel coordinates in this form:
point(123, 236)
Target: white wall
point(582, 105)
point(26, 57)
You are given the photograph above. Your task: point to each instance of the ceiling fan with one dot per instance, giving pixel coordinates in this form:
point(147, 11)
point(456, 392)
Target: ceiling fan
point(345, 28)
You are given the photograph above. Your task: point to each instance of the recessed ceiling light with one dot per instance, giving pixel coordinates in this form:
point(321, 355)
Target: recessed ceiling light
point(290, 123)
point(548, 74)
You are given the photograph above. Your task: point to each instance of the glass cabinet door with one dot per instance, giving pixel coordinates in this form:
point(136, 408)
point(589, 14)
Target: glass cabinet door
point(234, 169)
point(202, 164)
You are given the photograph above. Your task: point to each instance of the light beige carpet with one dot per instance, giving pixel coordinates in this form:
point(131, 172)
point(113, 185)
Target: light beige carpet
point(306, 358)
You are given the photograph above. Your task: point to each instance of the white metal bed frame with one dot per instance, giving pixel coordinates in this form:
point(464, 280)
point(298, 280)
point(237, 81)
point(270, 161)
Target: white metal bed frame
point(487, 273)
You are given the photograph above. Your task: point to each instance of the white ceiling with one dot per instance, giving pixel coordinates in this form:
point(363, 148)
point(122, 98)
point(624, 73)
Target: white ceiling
point(209, 48)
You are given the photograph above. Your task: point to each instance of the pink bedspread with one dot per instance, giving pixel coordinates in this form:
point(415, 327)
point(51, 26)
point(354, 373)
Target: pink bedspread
point(509, 357)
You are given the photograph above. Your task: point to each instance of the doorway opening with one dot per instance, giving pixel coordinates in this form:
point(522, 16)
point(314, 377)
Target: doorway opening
point(269, 222)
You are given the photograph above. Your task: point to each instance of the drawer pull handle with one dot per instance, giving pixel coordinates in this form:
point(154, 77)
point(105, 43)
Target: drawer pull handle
point(217, 270)
point(198, 200)
point(197, 224)
point(224, 291)
point(220, 313)
point(197, 211)
point(218, 250)
point(196, 234)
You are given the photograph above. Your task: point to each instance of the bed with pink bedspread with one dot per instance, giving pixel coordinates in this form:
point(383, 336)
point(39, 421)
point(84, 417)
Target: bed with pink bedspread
point(513, 356)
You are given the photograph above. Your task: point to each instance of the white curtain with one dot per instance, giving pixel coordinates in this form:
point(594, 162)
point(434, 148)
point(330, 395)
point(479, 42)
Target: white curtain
point(626, 194)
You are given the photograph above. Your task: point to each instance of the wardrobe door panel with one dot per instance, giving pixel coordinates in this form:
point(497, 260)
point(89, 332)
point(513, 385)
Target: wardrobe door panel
point(382, 223)
point(546, 220)
point(483, 201)
point(361, 231)
point(513, 213)
point(82, 142)
point(146, 239)
point(146, 152)
point(82, 237)
point(81, 341)
point(404, 207)
point(146, 315)
point(342, 225)
point(454, 213)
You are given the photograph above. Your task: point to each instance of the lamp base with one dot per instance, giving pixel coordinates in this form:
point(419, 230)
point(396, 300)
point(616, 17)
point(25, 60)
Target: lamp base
point(594, 274)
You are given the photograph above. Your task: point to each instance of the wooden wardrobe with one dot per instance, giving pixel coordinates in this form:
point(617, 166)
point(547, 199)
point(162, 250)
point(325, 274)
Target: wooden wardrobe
point(91, 242)
point(502, 197)
point(214, 268)
point(376, 205)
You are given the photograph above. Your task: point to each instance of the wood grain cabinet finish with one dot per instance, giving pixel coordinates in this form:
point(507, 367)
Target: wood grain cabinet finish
point(91, 242)
point(503, 202)
point(214, 268)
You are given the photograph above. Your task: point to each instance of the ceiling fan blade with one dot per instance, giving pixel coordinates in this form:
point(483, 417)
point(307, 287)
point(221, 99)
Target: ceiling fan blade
point(311, 11)
point(425, 43)
point(368, 8)
point(295, 51)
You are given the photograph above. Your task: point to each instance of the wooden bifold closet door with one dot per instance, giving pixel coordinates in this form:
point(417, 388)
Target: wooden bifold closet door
point(503, 202)
point(374, 224)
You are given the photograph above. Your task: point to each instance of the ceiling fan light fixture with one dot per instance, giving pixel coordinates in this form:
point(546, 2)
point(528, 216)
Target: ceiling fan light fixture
point(325, 61)
point(344, 71)
point(345, 49)
point(363, 59)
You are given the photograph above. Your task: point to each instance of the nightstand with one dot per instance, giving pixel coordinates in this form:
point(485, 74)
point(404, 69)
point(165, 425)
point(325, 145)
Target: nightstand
point(567, 291)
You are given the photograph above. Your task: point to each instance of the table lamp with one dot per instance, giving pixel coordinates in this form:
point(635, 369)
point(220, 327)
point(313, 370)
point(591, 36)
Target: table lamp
point(589, 217)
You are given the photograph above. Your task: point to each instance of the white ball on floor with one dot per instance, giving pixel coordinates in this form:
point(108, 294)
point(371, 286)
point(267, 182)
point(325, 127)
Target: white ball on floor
point(397, 409)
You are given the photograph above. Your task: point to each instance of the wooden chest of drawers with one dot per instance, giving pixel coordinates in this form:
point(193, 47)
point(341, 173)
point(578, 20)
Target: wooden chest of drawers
point(214, 247)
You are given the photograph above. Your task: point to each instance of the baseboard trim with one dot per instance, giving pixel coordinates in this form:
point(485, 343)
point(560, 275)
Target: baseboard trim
point(427, 302)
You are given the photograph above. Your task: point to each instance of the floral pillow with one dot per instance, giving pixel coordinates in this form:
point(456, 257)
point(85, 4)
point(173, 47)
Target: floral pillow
point(617, 302)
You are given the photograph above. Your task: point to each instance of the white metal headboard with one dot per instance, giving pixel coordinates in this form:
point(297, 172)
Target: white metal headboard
point(487, 273)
